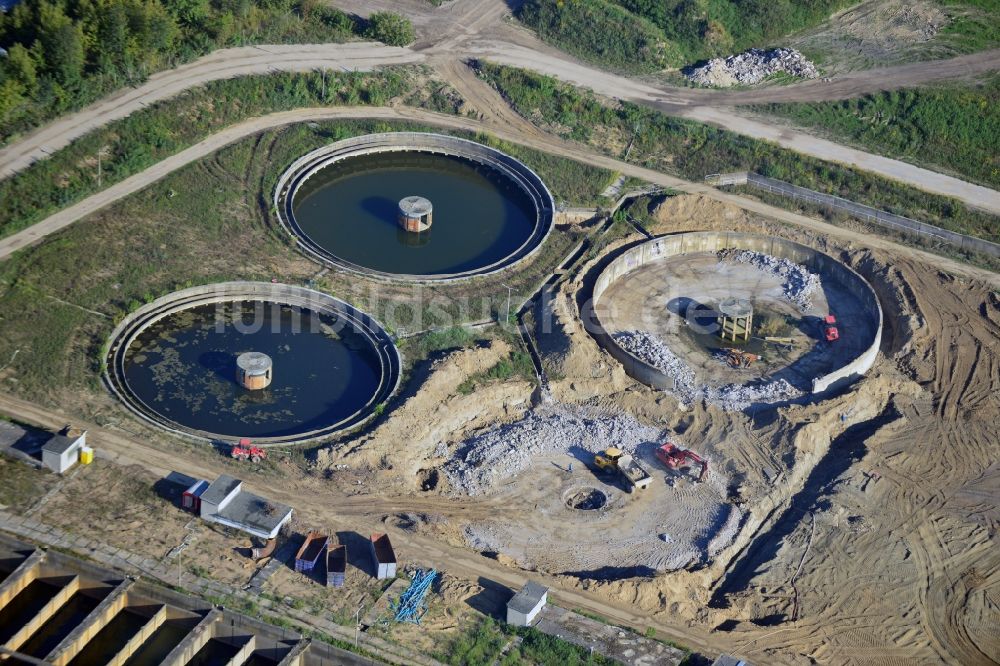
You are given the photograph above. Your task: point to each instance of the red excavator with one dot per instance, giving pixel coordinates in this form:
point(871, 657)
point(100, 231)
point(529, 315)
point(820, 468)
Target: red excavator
point(830, 332)
point(674, 457)
point(245, 450)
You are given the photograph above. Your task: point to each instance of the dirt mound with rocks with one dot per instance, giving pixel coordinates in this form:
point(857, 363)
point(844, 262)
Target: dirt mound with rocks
point(799, 284)
point(733, 397)
point(751, 67)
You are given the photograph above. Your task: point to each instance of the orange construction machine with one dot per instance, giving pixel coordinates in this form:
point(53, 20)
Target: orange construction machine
point(674, 457)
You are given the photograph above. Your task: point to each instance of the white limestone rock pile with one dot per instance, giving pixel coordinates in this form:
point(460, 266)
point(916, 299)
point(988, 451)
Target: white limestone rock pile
point(651, 349)
point(481, 463)
point(799, 284)
point(751, 67)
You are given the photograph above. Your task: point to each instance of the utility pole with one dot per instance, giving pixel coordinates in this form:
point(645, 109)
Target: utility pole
point(509, 289)
point(357, 625)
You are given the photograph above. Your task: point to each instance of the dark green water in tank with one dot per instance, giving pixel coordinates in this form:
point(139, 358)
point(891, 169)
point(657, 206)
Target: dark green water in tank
point(349, 209)
point(184, 369)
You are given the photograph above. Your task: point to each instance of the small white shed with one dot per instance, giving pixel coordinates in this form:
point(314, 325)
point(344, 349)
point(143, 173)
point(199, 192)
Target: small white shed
point(63, 450)
point(729, 660)
point(522, 609)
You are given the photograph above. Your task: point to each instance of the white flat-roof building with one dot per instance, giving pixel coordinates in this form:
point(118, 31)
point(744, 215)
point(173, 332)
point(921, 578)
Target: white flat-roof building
point(524, 606)
point(63, 450)
point(225, 502)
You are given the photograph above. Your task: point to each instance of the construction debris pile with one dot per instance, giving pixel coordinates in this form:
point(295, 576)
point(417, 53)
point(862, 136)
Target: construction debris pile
point(732, 397)
point(751, 67)
point(799, 284)
point(483, 462)
point(651, 349)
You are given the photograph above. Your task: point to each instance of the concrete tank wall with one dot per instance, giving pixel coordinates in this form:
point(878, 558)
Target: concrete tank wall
point(425, 142)
point(225, 292)
point(712, 241)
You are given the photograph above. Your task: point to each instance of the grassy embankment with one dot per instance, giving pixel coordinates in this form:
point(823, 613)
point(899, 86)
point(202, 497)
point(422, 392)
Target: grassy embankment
point(211, 221)
point(646, 35)
point(974, 25)
point(953, 128)
point(692, 150)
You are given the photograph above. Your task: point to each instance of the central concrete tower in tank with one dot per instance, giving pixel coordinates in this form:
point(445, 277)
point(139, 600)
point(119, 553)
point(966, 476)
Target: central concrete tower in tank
point(253, 370)
point(415, 214)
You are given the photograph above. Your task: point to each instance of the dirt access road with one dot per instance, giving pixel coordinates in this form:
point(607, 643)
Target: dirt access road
point(476, 28)
point(503, 126)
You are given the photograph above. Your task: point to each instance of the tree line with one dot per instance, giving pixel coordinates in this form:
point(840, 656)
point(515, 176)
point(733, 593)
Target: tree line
point(61, 54)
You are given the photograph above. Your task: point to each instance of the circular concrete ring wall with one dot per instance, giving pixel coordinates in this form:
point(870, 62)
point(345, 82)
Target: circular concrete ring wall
point(129, 329)
point(710, 241)
point(514, 170)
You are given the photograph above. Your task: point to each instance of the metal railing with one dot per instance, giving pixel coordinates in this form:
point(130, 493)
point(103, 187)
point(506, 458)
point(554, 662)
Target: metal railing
point(859, 211)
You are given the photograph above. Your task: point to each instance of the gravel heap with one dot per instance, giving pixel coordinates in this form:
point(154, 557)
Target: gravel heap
point(751, 67)
point(654, 351)
point(732, 397)
point(737, 397)
point(480, 464)
point(799, 284)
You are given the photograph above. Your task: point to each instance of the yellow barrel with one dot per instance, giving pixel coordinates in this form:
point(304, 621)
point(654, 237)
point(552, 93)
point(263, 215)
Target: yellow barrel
point(86, 455)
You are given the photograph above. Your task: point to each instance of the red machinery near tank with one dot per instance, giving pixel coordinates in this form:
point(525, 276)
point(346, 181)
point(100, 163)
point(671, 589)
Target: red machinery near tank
point(674, 457)
point(830, 332)
point(245, 450)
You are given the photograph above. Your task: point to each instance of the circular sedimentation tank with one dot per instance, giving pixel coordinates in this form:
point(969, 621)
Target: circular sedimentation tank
point(414, 206)
point(181, 363)
point(672, 288)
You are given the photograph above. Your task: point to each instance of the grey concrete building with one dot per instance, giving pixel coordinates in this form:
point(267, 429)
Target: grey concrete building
point(522, 609)
point(63, 450)
point(225, 502)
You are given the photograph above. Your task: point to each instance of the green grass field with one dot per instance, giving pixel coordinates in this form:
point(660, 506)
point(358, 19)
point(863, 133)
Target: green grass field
point(953, 128)
point(212, 221)
point(693, 150)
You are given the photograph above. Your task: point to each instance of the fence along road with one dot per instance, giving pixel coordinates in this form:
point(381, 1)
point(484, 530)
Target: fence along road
point(860, 211)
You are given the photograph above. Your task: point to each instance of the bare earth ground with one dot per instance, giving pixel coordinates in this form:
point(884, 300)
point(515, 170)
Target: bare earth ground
point(921, 533)
point(871, 517)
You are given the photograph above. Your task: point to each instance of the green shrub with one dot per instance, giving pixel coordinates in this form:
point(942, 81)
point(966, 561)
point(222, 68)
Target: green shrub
point(601, 32)
point(390, 28)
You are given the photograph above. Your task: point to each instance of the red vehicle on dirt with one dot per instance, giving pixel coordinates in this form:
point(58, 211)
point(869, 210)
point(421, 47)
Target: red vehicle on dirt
point(674, 457)
point(245, 450)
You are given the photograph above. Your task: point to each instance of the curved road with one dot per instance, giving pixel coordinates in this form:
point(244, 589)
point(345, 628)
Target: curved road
point(222, 64)
point(475, 28)
point(499, 128)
